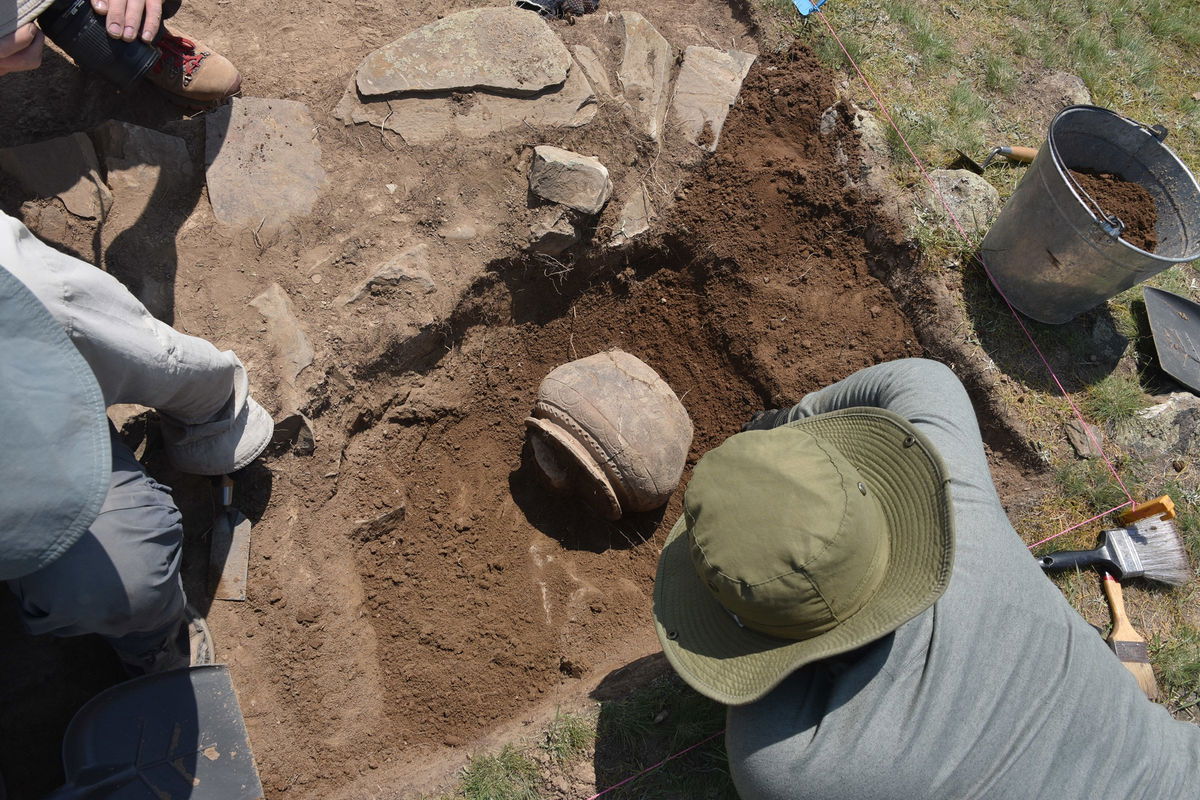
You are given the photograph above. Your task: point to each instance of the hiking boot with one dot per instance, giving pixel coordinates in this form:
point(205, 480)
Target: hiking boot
point(192, 72)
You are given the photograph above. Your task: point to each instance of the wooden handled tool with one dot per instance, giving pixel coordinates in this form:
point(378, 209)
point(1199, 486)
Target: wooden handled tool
point(1126, 642)
point(1020, 155)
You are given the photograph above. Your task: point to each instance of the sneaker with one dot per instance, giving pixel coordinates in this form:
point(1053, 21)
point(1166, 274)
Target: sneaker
point(200, 643)
point(192, 72)
point(238, 435)
point(191, 645)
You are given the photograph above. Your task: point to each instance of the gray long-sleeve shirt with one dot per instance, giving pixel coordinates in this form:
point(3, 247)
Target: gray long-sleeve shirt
point(999, 690)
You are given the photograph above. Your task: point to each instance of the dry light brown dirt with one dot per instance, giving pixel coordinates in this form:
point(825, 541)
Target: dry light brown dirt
point(414, 592)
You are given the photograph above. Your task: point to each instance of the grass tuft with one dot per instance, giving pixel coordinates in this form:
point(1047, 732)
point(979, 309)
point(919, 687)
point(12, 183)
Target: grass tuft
point(568, 737)
point(508, 775)
point(1115, 399)
point(1177, 659)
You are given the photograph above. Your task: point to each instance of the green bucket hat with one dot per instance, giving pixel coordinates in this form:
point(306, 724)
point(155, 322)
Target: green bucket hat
point(800, 543)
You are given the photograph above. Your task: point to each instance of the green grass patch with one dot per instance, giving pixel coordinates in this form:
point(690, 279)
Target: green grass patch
point(568, 737)
point(507, 775)
point(1114, 399)
point(1176, 656)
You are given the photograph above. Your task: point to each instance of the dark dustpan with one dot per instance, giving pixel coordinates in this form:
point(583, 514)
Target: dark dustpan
point(177, 735)
point(1175, 327)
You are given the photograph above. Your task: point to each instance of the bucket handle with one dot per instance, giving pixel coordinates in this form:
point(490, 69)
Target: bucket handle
point(1111, 224)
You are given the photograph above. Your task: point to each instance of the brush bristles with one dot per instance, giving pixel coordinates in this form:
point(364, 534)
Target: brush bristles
point(1144, 674)
point(1161, 552)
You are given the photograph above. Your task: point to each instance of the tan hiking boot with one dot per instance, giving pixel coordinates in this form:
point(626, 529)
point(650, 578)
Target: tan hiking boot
point(193, 72)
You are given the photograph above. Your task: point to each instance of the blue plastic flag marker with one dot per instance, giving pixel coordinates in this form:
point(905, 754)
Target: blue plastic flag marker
point(806, 7)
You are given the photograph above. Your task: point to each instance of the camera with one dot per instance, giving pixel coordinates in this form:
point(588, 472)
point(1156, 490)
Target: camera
point(79, 31)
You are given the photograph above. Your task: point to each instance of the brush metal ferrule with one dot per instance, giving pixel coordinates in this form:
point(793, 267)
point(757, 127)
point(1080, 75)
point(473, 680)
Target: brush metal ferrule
point(1121, 543)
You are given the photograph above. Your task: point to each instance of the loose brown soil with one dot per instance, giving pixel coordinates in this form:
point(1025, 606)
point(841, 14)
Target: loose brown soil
point(1128, 201)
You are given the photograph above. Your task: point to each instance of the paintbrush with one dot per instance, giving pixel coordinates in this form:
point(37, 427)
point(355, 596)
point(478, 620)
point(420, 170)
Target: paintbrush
point(1149, 548)
point(1127, 643)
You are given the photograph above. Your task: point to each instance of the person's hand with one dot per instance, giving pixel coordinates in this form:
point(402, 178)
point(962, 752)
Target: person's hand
point(21, 50)
point(128, 19)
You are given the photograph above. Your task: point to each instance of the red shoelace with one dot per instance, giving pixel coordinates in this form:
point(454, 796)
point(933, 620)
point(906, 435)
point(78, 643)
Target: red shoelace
point(179, 54)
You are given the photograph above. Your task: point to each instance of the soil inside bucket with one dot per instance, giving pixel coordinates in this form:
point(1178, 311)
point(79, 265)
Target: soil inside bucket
point(1128, 201)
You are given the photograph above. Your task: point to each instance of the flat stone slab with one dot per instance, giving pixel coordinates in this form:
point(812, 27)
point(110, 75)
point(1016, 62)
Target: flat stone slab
point(569, 179)
point(264, 165)
point(708, 84)
point(408, 272)
point(635, 217)
point(645, 72)
point(593, 67)
point(501, 49)
point(428, 120)
point(64, 167)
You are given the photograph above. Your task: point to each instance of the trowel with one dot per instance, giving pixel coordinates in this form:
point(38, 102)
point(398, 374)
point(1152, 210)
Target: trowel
point(1175, 328)
point(1016, 155)
point(228, 547)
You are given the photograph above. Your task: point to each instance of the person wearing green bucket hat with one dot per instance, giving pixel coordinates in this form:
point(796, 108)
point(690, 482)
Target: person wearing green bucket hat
point(845, 578)
point(89, 542)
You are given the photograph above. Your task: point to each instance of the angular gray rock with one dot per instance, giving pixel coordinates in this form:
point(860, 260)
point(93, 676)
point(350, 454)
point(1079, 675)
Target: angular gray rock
point(569, 179)
point(974, 202)
point(635, 217)
point(645, 72)
point(291, 345)
point(428, 120)
point(1081, 442)
point(407, 272)
point(293, 433)
point(502, 49)
point(552, 233)
point(63, 167)
point(264, 164)
point(593, 67)
point(708, 84)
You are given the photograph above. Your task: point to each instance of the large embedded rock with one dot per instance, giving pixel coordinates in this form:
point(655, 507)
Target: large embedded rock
point(501, 49)
point(974, 202)
point(593, 67)
point(408, 273)
point(264, 164)
point(645, 72)
point(569, 179)
point(293, 350)
point(428, 120)
point(553, 233)
point(64, 167)
point(708, 84)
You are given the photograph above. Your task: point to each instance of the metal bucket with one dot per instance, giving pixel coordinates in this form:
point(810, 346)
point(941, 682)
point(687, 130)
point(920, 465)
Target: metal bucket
point(1053, 253)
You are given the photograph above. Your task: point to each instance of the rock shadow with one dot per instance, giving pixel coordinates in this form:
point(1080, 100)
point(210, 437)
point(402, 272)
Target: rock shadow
point(570, 522)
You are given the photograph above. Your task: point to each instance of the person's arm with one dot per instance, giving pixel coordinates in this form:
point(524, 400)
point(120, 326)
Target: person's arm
point(128, 19)
point(926, 393)
point(21, 50)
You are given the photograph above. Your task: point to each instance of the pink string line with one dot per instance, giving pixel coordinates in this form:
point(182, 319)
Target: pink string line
point(656, 766)
point(1081, 524)
point(979, 258)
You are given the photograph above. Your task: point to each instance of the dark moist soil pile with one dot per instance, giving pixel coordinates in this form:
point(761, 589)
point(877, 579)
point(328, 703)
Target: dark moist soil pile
point(472, 593)
point(1127, 200)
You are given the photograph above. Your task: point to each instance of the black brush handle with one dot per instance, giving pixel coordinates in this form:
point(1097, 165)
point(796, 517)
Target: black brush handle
point(1077, 559)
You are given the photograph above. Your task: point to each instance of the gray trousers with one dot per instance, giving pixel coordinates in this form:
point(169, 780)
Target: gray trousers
point(121, 580)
